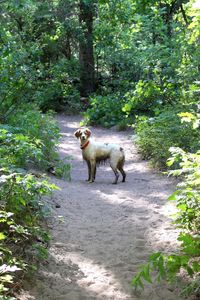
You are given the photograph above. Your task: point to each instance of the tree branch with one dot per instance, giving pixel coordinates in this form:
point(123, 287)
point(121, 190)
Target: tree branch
point(184, 14)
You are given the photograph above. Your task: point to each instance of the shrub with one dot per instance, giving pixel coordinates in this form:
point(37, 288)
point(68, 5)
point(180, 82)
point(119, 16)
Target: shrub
point(105, 110)
point(55, 89)
point(157, 134)
point(41, 129)
point(42, 133)
point(30, 138)
point(55, 95)
point(21, 212)
point(187, 195)
point(149, 95)
point(17, 149)
point(187, 198)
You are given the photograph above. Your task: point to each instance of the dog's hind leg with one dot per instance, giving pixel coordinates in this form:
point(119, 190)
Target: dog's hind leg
point(120, 168)
point(120, 165)
point(114, 168)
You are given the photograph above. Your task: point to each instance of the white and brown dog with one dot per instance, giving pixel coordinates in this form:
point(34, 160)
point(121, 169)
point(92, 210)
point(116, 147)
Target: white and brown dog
point(94, 153)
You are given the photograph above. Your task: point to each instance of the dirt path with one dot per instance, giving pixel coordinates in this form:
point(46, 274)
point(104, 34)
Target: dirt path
point(108, 231)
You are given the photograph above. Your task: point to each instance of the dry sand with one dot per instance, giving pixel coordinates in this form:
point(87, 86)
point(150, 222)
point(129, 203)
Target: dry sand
point(108, 230)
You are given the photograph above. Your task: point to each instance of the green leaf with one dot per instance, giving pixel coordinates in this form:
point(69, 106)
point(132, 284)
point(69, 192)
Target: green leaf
point(2, 236)
point(6, 278)
point(173, 196)
point(145, 273)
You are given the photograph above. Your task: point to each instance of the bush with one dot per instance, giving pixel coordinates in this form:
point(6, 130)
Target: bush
point(21, 212)
point(39, 128)
point(149, 95)
point(30, 139)
point(187, 195)
point(55, 89)
point(157, 134)
point(55, 95)
point(187, 198)
point(17, 149)
point(105, 111)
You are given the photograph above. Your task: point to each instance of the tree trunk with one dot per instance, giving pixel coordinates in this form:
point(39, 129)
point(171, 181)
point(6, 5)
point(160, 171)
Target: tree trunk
point(86, 56)
point(172, 9)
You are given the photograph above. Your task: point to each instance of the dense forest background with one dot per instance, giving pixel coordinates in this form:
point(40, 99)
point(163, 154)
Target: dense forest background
point(125, 63)
point(57, 51)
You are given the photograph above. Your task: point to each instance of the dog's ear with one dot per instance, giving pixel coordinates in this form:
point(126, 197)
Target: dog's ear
point(88, 132)
point(77, 133)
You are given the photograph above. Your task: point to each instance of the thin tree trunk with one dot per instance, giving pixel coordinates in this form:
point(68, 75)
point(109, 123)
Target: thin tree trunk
point(86, 56)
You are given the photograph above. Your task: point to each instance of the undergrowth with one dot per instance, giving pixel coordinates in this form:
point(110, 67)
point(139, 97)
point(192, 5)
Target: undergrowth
point(187, 199)
point(28, 142)
point(172, 127)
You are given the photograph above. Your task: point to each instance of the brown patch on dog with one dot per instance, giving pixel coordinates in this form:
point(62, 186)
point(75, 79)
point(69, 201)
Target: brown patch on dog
point(77, 133)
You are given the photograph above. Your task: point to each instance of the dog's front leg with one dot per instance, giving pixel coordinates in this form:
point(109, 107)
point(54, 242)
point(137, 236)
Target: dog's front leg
point(93, 170)
point(89, 170)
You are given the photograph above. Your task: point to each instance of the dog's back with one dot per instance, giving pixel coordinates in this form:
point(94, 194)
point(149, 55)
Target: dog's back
point(102, 151)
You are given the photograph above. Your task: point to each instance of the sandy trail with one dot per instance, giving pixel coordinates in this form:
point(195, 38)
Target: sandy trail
point(108, 230)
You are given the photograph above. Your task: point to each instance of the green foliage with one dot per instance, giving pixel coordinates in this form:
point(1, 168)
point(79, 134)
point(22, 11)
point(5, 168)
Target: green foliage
point(47, 83)
point(55, 89)
point(18, 149)
point(21, 213)
point(30, 73)
point(41, 129)
point(62, 169)
point(168, 267)
point(105, 110)
point(148, 95)
point(21, 194)
point(187, 197)
point(30, 139)
point(157, 134)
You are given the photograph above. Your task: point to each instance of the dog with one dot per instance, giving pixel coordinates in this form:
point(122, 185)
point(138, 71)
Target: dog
point(95, 153)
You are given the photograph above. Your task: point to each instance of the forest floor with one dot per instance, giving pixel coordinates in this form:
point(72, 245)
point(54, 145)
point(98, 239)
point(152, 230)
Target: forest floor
point(108, 230)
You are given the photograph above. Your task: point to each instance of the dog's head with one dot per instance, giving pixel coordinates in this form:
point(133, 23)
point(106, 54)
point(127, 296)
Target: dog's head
point(83, 134)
